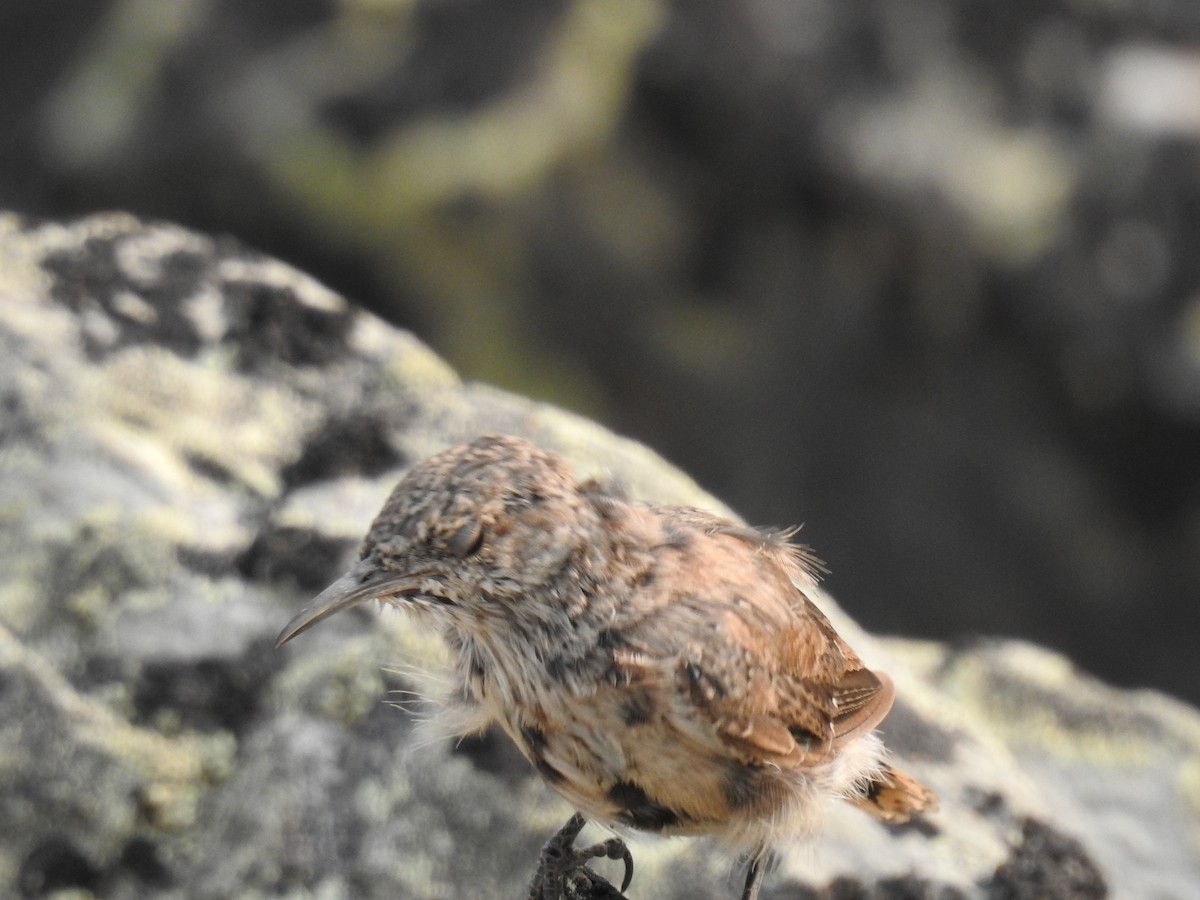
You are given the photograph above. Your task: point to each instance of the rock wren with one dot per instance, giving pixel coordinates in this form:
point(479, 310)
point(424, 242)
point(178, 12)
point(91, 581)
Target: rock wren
point(661, 667)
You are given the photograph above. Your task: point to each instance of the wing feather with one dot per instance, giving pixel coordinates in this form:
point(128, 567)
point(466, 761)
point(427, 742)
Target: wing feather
point(752, 654)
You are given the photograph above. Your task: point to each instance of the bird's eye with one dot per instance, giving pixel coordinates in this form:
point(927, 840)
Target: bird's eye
point(467, 540)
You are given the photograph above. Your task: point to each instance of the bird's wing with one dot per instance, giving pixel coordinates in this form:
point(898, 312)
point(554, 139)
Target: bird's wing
point(796, 698)
point(753, 655)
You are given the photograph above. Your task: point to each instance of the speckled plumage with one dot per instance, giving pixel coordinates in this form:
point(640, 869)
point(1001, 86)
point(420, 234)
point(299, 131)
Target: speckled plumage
point(661, 667)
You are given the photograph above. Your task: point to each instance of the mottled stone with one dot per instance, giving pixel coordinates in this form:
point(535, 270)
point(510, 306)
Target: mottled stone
point(193, 435)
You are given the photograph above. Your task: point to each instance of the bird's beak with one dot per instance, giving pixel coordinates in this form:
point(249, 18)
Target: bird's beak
point(361, 583)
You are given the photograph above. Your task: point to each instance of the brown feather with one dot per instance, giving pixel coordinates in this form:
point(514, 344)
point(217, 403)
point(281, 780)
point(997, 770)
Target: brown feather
point(863, 699)
point(776, 682)
point(894, 797)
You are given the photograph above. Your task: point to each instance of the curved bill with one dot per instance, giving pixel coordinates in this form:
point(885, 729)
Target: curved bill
point(347, 591)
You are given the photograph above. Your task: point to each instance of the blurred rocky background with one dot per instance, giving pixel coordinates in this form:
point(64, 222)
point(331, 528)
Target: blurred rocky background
point(924, 275)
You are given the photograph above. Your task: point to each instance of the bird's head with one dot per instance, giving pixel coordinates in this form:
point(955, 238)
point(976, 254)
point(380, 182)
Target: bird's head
point(467, 536)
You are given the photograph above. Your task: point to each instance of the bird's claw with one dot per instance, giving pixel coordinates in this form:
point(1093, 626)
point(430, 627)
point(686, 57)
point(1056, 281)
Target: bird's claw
point(562, 863)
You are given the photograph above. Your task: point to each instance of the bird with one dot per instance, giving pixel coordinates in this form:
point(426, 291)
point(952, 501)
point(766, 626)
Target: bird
point(663, 668)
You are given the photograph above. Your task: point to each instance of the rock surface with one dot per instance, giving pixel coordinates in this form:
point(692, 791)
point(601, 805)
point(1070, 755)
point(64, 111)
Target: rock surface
point(193, 439)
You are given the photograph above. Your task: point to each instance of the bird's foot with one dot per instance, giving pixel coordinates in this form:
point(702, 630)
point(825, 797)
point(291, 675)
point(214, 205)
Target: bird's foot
point(756, 869)
point(563, 873)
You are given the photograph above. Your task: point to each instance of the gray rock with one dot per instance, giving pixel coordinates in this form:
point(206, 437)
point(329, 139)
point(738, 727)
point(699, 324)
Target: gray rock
point(193, 439)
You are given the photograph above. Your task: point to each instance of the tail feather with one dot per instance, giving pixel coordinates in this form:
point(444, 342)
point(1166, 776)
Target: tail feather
point(893, 796)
